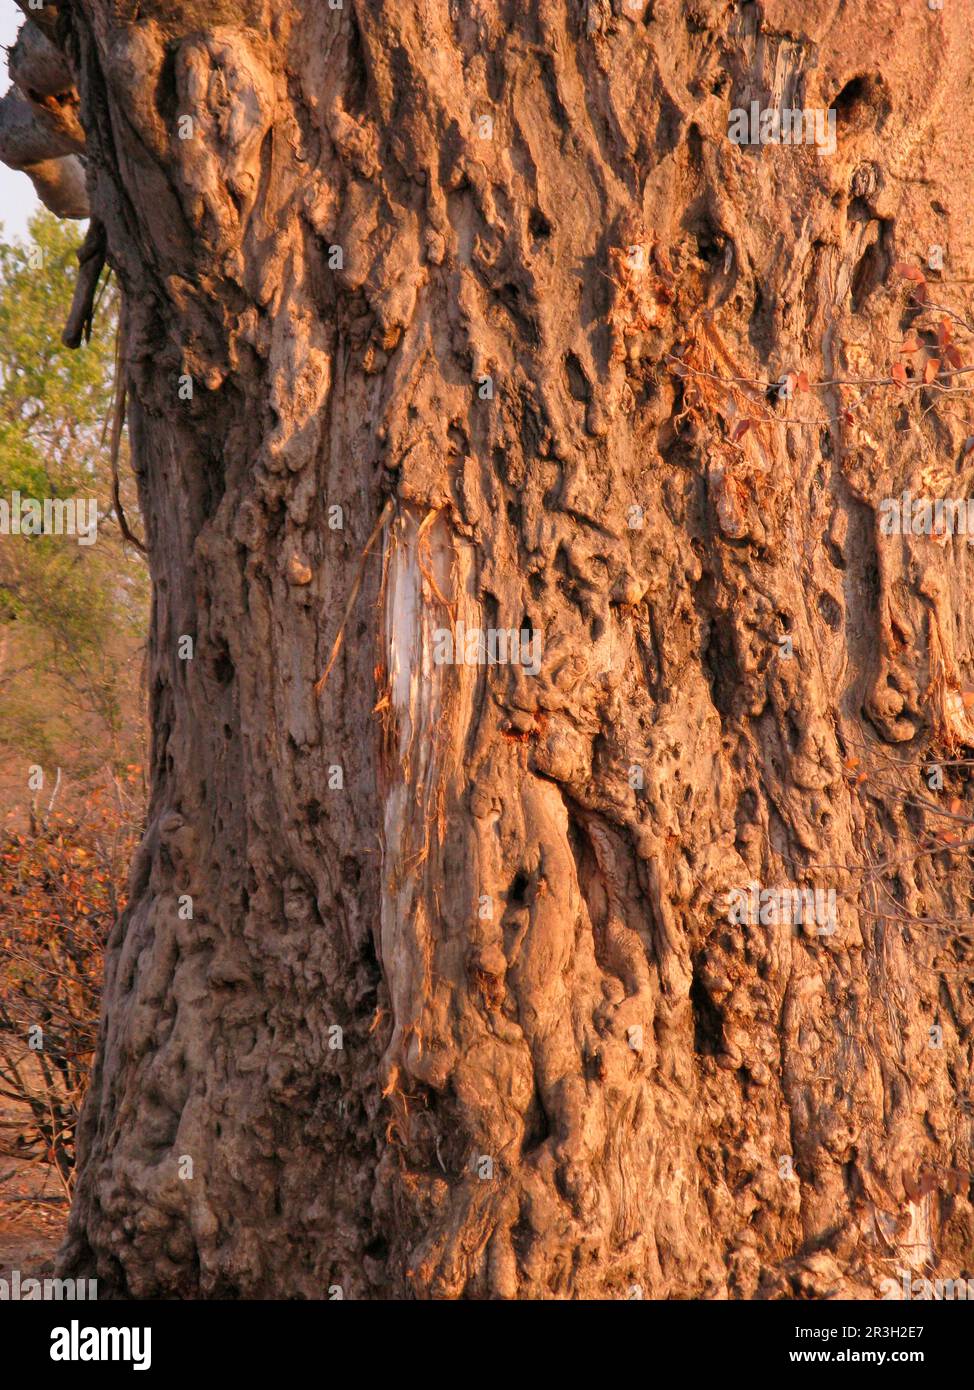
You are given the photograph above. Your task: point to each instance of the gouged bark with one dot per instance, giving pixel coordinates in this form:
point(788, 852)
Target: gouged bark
point(634, 1067)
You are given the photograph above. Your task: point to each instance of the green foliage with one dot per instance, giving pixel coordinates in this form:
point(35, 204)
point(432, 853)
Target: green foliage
point(72, 617)
point(61, 396)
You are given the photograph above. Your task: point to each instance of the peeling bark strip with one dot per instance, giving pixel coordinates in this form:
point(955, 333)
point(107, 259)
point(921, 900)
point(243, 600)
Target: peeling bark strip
point(636, 387)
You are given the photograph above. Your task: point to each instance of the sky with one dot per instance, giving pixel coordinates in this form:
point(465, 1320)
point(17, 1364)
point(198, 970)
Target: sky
point(17, 200)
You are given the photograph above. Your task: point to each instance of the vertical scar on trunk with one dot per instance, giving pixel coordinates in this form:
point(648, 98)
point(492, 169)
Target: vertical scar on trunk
point(425, 708)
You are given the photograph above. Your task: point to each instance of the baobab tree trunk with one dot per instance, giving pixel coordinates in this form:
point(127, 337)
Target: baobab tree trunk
point(442, 318)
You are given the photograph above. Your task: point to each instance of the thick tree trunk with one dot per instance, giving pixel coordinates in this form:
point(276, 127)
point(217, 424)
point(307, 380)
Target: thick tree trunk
point(493, 280)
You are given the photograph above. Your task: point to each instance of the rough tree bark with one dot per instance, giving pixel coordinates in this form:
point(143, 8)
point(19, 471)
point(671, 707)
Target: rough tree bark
point(493, 276)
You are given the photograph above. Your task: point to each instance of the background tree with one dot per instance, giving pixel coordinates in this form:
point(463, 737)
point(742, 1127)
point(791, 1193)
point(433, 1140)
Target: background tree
point(72, 616)
point(72, 636)
point(494, 281)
